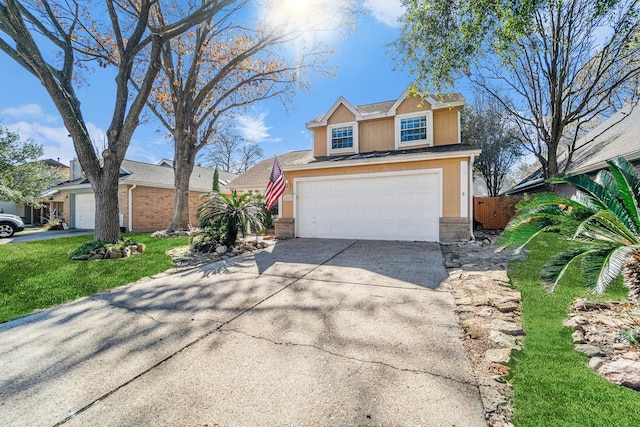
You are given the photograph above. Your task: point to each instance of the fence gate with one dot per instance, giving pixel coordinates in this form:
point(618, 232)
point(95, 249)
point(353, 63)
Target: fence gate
point(493, 213)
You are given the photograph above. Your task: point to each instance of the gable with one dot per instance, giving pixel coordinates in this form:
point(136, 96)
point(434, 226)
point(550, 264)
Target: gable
point(341, 115)
point(412, 104)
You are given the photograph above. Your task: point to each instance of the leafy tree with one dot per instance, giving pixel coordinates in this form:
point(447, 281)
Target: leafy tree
point(484, 125)
point(231, 153)
point(23, 177)
point(603, 219)
point(216, 181)
point(229, 62)
point(235, 213)
point(553, 65)
point(51, 39)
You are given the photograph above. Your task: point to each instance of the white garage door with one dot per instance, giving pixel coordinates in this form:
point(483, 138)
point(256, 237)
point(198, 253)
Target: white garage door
point(398, 206)
point(85, 211)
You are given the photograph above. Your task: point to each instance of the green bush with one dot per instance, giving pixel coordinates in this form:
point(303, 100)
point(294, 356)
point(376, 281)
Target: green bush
point(97, 247)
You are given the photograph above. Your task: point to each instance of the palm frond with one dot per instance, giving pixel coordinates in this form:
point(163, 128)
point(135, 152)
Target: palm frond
point(605, 266)
point(555, 268)
point(604, 225)
point(626, 179)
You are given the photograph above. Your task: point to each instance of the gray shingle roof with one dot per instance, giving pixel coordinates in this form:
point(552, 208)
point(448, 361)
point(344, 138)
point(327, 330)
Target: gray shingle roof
point(384, 107)
point(147, 174)
point(616, 136)
point(257, 176)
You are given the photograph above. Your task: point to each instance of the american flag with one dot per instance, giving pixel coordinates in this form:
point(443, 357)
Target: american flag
point(276, 185)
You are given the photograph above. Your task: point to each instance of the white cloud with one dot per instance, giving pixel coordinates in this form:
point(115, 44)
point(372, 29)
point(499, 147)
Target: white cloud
point(253, 127)
point(54, 140)
point(28, 111)
point(386, 11)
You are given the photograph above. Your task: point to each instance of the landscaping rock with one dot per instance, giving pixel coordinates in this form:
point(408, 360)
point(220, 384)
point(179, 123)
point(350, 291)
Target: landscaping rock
point(141, 247)
point(113, 253)
point(589, 350)
point(221, 250)
point(596, 362)
point(508, 328)
point(498, 355)
point(504, 339)
point(623, 372)
point(578, 337)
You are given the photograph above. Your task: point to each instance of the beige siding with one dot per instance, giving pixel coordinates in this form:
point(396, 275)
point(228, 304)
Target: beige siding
point(341, 115)
point(377, 135)
point(412, 104)
point(320, 141)
point(445, 126)
point(450, 178)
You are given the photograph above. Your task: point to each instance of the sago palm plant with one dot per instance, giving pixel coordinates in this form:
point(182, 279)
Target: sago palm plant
point(235, 213)
point(603, 218)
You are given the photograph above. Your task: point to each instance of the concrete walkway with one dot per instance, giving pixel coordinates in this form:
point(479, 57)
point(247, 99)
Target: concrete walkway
point(30, 235)
point(309, 332)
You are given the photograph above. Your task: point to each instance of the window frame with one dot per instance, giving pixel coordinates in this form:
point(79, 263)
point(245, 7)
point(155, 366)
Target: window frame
point(428, 114)
point(353, 149)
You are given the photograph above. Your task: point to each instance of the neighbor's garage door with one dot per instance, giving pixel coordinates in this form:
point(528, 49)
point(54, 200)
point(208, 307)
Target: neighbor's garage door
point(85, 211)
point(398, 206)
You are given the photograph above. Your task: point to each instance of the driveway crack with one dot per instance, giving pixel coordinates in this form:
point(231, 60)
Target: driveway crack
point(354, 359)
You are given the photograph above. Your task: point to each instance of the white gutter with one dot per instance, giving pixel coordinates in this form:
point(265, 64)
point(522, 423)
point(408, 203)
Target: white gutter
point(471, 160)
point(402, 158)
point(130, 207)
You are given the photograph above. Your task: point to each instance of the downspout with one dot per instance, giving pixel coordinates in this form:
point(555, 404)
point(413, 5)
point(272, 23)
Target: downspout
point(471, 160)
point(130, 207)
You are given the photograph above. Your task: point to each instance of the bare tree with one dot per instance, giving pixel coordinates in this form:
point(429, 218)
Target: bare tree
point(484, 124)
point(226, 64)
point(555, 66)
point(30, 29)
point(229, 152)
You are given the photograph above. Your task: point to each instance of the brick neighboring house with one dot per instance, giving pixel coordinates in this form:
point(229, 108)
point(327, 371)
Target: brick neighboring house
point(394, 170)
point(616, 136)
point(51, 204)
point(145, 195)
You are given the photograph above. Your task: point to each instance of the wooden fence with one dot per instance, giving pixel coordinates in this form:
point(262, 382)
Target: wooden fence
point(493, 213)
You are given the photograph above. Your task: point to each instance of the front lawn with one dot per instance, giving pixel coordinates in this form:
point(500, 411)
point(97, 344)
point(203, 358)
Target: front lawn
point(553, 384)
point(37, 275)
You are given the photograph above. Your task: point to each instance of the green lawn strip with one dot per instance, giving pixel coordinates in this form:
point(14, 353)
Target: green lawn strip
point(553, 384)
point(37, 275)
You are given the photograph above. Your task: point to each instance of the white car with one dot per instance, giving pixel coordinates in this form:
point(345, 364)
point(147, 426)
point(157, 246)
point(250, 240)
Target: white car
point(10, 224)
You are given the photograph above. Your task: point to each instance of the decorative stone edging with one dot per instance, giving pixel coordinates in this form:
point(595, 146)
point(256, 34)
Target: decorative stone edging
point(596, 333)
point(489, 312)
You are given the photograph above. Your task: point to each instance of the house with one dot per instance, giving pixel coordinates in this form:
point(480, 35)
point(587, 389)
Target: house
point(145, 195)
point(50, 207)
point(255, 179)
point(394, 170)
point(616, 136)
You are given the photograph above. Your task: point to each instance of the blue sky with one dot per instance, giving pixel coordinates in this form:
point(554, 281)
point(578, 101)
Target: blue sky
point(364, 74)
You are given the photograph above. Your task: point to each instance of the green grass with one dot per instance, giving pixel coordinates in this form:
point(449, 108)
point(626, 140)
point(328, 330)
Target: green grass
point(37, 275)
point(553, 384)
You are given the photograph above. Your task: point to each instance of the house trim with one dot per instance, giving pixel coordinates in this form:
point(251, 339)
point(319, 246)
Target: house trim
point(383, 160)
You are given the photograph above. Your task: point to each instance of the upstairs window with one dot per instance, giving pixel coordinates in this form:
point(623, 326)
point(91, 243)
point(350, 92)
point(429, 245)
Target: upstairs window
point(414, 129)
point(342, 137)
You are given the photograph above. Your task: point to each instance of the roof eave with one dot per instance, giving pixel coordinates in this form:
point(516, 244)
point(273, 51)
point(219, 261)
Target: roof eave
point(402, 158)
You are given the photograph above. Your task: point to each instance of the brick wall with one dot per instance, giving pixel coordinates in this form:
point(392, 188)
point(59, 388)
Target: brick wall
point(153, 208)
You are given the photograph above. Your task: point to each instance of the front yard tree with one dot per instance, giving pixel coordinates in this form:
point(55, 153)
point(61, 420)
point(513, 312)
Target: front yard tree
point(49, 39)
point(484, 124)
point(23, 177)
point(564, 62)
point(243, 55)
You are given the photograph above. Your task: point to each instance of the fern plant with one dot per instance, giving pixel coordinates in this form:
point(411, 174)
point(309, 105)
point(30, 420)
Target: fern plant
point(603, 219)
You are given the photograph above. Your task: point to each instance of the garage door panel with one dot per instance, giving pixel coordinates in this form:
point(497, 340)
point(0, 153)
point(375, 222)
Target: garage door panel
point(389, 207)
point(85, 211)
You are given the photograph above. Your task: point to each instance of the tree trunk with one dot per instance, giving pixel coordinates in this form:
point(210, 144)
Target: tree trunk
point(183, 162)
point(107, 209)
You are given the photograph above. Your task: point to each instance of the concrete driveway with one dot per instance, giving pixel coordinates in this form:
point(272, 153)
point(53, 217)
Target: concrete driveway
point(308, 332)
point(30, 235)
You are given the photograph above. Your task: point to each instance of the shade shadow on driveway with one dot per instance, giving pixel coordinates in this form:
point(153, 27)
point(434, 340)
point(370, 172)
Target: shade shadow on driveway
point(310, 332)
